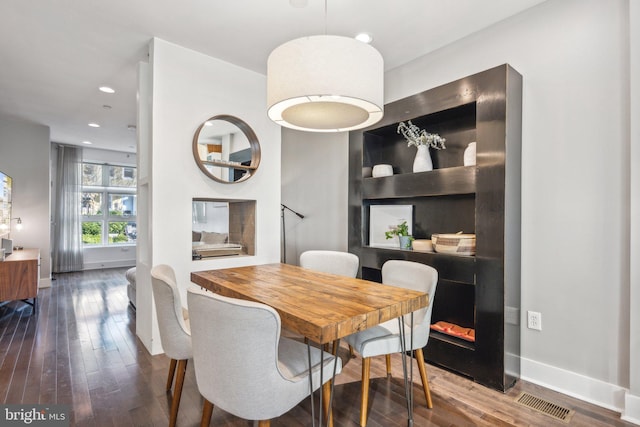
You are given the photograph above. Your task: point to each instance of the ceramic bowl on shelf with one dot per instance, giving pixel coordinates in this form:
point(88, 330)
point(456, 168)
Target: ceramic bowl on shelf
point(382, 170)
point(455, 244)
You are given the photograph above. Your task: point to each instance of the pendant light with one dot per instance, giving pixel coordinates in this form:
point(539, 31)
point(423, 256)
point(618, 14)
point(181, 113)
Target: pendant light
point(325, 83)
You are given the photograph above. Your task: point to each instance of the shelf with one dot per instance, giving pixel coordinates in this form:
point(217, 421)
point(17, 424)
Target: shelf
point(452, 268)
point(484, 199)
point(438, 182)
point(452, 340)
point(228, 165)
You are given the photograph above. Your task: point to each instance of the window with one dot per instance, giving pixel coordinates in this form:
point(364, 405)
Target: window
point(109, 205)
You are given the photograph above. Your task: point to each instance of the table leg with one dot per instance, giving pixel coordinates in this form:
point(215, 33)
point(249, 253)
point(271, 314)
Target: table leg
point(326, 395)
point(313, 416)
point(408, 379)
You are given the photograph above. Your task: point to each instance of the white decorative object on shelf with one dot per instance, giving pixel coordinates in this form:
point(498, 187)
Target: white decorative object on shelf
point(422, 245)
point(422, 140)
point(382, 170)
point(422, 162)
point(470, 155)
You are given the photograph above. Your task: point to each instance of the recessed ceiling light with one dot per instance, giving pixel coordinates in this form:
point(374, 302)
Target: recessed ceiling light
point(94, 125)
point(87, 142)
point(106, 89)
point(364, 37)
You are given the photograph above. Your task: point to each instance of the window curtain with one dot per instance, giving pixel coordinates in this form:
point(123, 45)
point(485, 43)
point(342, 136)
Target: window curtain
point(67, 243)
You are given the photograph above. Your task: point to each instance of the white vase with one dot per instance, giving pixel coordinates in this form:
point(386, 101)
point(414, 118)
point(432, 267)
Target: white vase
point(469, 158)
point(422, 162)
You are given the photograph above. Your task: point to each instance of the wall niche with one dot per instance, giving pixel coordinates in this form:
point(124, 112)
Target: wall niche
point(222, 228)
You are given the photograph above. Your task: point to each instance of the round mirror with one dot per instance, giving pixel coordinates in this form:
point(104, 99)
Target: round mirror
point(226, 149)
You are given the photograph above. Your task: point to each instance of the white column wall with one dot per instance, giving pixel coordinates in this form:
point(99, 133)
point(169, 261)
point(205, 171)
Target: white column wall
point(575, 181)
point(188, 88)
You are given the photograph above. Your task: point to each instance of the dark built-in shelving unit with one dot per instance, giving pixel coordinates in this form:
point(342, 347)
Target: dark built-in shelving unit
point(481, 291)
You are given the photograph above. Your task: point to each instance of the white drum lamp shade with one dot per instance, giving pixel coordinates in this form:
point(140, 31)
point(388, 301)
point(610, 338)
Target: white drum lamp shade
point(325, 84)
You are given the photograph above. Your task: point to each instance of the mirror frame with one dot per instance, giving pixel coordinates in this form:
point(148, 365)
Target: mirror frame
point(254, 145)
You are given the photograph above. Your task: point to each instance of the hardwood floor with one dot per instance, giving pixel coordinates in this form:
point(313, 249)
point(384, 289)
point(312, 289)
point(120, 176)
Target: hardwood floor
point(80, 349)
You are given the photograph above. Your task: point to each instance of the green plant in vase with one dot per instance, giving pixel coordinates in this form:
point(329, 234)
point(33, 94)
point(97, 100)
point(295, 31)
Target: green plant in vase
point(402, 231)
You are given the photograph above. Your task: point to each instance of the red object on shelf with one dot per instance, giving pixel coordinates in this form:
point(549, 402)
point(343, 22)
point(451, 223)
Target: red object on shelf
point(454, 330)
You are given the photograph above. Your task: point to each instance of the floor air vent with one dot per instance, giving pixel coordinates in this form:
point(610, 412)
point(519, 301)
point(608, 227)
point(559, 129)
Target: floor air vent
point(544, 406)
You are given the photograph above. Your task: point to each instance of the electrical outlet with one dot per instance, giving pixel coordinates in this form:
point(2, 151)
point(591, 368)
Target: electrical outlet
point(534, 320)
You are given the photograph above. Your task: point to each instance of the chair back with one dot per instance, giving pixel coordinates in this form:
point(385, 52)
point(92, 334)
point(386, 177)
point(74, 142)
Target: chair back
point(235, 354)
point(418, 277)
point(174, 333)
point(334, 262)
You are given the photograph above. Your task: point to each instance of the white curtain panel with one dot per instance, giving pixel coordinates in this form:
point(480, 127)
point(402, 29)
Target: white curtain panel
point(67, 243)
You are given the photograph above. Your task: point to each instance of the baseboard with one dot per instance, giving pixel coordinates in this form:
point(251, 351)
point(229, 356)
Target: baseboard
point(108, 264)
point(576, 385)
point(631, 411)
point(44, 283)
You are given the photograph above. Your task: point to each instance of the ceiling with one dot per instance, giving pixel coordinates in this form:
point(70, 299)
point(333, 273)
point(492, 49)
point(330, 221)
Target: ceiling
point(55, 54)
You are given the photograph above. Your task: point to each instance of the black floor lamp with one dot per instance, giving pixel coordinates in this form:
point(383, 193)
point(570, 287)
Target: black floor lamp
point(284, 238)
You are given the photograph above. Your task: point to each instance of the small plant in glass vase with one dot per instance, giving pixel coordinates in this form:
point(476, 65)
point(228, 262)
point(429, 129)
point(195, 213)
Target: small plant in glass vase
point(423, 140)
point(402, 231)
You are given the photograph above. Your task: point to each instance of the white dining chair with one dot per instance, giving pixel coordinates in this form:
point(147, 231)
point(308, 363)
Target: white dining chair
point(175, 335)
point(334, 262)
point(242, 364)
point(384, 339)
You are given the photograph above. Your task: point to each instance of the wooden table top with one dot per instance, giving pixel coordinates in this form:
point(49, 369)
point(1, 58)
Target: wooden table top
point(323, 307)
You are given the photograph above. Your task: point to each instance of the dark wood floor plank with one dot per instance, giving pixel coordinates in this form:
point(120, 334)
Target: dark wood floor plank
point(80, 349)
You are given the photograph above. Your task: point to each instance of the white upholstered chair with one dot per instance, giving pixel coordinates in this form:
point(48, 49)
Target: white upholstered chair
point(334, 262)
point(384, 339)
point(242, 364)
point(174, 331)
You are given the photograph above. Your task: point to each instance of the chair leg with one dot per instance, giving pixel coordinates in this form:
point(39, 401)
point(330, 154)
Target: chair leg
point(388, 360)
point(423, 376)
point(264, 423)
point(366, 370)
point(207, 410)
point(326, 395)
point(172, 371)
point(177, 392)
point(351, 352)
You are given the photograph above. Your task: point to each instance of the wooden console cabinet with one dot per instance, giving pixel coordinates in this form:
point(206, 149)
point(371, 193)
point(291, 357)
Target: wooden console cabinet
point(481, 292)
point(19, 276)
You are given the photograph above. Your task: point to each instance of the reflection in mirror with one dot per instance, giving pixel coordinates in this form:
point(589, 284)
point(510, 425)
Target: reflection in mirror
point(222, 228)
point(226, 149)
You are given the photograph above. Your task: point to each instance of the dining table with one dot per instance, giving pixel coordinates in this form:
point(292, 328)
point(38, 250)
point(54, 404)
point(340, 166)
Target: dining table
point(320, 306)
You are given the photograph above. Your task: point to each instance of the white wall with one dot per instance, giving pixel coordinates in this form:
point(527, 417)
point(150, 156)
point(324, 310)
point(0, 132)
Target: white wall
point(315, 182)
point(24, 155)
point(632, 398)
point(573, 55)
point(187, 88)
